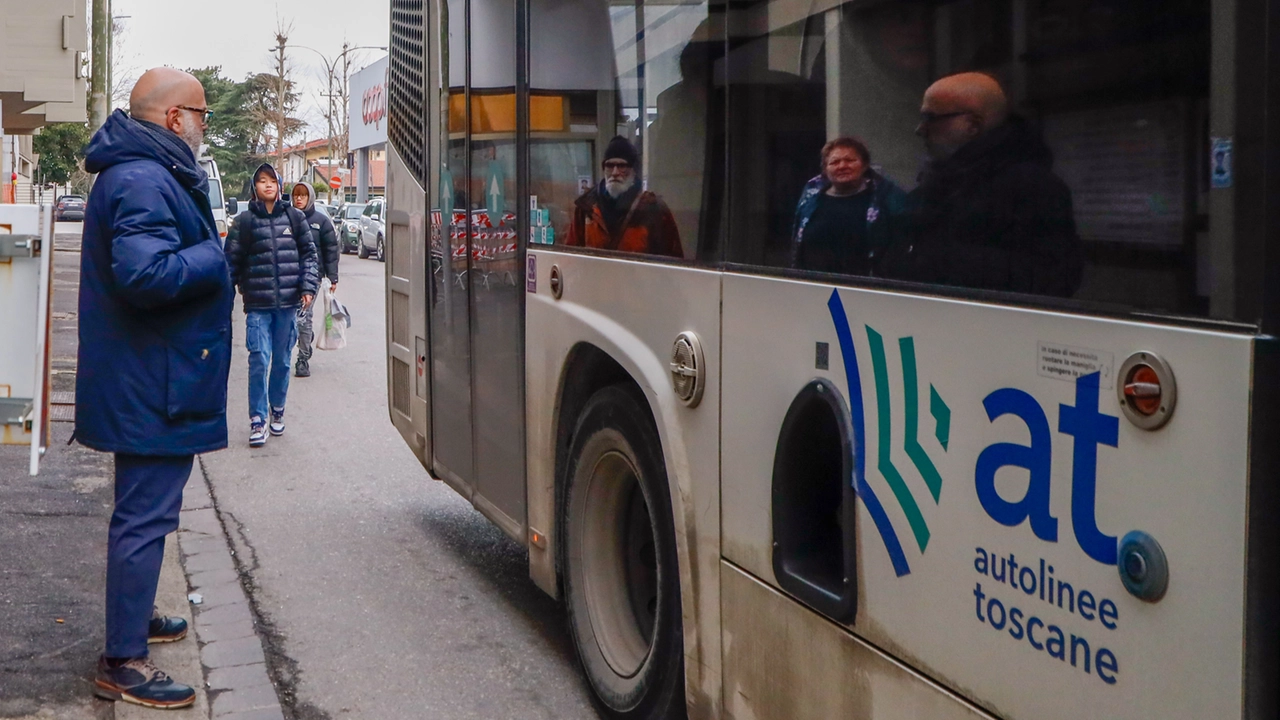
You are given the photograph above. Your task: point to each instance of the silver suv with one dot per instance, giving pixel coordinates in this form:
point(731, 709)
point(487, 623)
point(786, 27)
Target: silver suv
point(373, 230)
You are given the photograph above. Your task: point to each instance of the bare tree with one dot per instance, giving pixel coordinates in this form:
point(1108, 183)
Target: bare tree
point(282, 83)
point(273, 100)
point(124, 65)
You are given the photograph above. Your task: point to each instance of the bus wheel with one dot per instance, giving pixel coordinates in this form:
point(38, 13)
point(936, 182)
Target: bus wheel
point(622, 586)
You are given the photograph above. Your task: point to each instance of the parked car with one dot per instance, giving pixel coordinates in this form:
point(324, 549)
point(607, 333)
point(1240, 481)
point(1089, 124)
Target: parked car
point(69, 208)
point(349, 226)
point(372, 230)
point(221, 209)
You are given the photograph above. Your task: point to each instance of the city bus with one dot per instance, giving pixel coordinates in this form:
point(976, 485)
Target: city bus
point(1021, 465)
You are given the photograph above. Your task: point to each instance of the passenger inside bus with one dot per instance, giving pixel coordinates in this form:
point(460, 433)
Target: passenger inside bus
point(618, 214)
point(1108, 144)
point(848, 215)
point(989, 212)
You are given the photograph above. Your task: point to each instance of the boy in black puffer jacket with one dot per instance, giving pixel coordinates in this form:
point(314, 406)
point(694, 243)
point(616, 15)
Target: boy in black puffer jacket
point(327, 253)
point(273, 262)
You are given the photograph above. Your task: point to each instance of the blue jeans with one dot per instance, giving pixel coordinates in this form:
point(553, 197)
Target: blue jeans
point(148, 499)
point(270, 336)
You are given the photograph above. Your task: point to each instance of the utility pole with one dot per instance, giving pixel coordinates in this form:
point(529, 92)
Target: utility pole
point(99, 81)
point(331, 68)
point(329, 117)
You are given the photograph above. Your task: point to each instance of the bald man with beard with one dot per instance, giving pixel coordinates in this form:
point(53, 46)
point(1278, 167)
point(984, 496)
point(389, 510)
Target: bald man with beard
point(989, 212)
point(154, 355)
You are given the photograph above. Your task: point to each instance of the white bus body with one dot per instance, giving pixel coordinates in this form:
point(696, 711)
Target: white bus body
point(1012, 531)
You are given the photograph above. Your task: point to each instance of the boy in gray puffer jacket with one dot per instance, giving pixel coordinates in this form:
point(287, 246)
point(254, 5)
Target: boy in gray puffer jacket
point(273, 262)
point(327, 253)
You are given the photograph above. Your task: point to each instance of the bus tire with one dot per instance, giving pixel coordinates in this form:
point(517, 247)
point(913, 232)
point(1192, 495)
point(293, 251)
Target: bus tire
point(621, 579)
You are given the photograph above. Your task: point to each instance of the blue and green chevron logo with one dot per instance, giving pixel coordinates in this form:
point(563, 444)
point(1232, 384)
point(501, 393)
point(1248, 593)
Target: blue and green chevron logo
point(885, 466)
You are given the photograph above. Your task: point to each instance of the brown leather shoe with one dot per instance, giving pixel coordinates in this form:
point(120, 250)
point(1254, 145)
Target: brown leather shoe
point(140, 682)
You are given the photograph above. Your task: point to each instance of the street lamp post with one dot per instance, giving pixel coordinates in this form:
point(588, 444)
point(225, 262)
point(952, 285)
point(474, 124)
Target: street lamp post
point(330, 68)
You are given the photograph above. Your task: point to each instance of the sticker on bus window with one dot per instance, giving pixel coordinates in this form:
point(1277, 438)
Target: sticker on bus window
point(531, 274)
point(1065, 362)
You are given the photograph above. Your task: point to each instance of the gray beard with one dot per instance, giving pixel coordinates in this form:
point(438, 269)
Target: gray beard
point(193, 137)
point(616, 188)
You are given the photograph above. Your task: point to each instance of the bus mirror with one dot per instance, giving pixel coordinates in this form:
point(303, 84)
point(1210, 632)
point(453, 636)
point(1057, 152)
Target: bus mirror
point(814, 548)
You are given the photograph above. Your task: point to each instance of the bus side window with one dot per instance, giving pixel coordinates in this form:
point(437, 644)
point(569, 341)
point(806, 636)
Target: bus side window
point(620, 104)
point(1059, 151)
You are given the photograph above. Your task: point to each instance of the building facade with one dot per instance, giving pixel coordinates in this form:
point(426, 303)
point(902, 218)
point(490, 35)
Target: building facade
point(42, 80)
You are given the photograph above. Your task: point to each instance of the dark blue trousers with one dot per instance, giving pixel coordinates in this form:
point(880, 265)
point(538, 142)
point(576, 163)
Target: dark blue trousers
point(148, 500)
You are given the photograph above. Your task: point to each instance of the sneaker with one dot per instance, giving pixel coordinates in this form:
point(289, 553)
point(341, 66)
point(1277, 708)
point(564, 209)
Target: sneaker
point(257, 432)
point(277, 421)
point(140, 682)
point(302, 369)
point(165, 629)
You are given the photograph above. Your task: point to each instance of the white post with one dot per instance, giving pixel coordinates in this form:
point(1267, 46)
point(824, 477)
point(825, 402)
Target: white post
point(38, 401)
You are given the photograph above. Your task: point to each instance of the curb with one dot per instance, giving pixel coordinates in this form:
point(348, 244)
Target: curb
point(234, 666)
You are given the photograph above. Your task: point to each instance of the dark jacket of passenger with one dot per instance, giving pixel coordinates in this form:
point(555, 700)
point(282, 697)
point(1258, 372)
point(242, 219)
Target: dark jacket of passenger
point(272, 255)
point(884, 223)
point(328, 252)
point(993, 216)
point(155, 299)
point(645, 223)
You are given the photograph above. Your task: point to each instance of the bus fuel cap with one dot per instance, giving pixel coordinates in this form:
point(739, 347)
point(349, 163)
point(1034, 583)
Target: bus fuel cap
point(1143, 567)
point(1147, 391)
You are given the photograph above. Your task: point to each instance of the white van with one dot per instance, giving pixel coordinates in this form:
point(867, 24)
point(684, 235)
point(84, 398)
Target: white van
point(216, 200)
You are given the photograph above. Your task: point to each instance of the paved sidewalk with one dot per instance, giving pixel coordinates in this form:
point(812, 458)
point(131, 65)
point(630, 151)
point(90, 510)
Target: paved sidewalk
point(53, 531)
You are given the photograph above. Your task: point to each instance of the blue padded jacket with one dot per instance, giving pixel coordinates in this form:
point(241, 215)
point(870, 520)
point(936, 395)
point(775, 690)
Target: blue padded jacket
point(155, 299)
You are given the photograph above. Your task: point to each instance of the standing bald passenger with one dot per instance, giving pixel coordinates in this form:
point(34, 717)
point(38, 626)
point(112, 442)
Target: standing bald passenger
point(989, 212)
point(155, 351)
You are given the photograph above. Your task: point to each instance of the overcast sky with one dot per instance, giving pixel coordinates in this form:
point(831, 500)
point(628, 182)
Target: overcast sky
point(237, 34)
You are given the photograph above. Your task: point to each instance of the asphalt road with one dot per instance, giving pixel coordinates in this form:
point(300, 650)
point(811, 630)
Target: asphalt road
point(385, 595)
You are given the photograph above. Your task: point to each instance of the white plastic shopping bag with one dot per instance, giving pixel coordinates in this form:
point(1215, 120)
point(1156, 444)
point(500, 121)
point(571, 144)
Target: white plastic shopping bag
point(333, 332)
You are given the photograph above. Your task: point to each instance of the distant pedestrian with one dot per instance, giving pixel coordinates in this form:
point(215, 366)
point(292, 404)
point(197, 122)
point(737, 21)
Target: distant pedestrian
point(327, 254)
point(273, 262)
point(155, 351)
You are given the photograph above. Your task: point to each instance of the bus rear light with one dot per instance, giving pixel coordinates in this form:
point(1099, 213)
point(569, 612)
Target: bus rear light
point(1147, 391)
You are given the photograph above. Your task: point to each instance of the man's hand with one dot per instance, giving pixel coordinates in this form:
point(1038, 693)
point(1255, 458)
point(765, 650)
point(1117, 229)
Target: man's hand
point(306, 301)
point(333, 287)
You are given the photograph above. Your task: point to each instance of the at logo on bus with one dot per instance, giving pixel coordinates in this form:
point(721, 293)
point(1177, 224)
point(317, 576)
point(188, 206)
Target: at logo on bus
point(1088, 427)
point(1082, 421)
